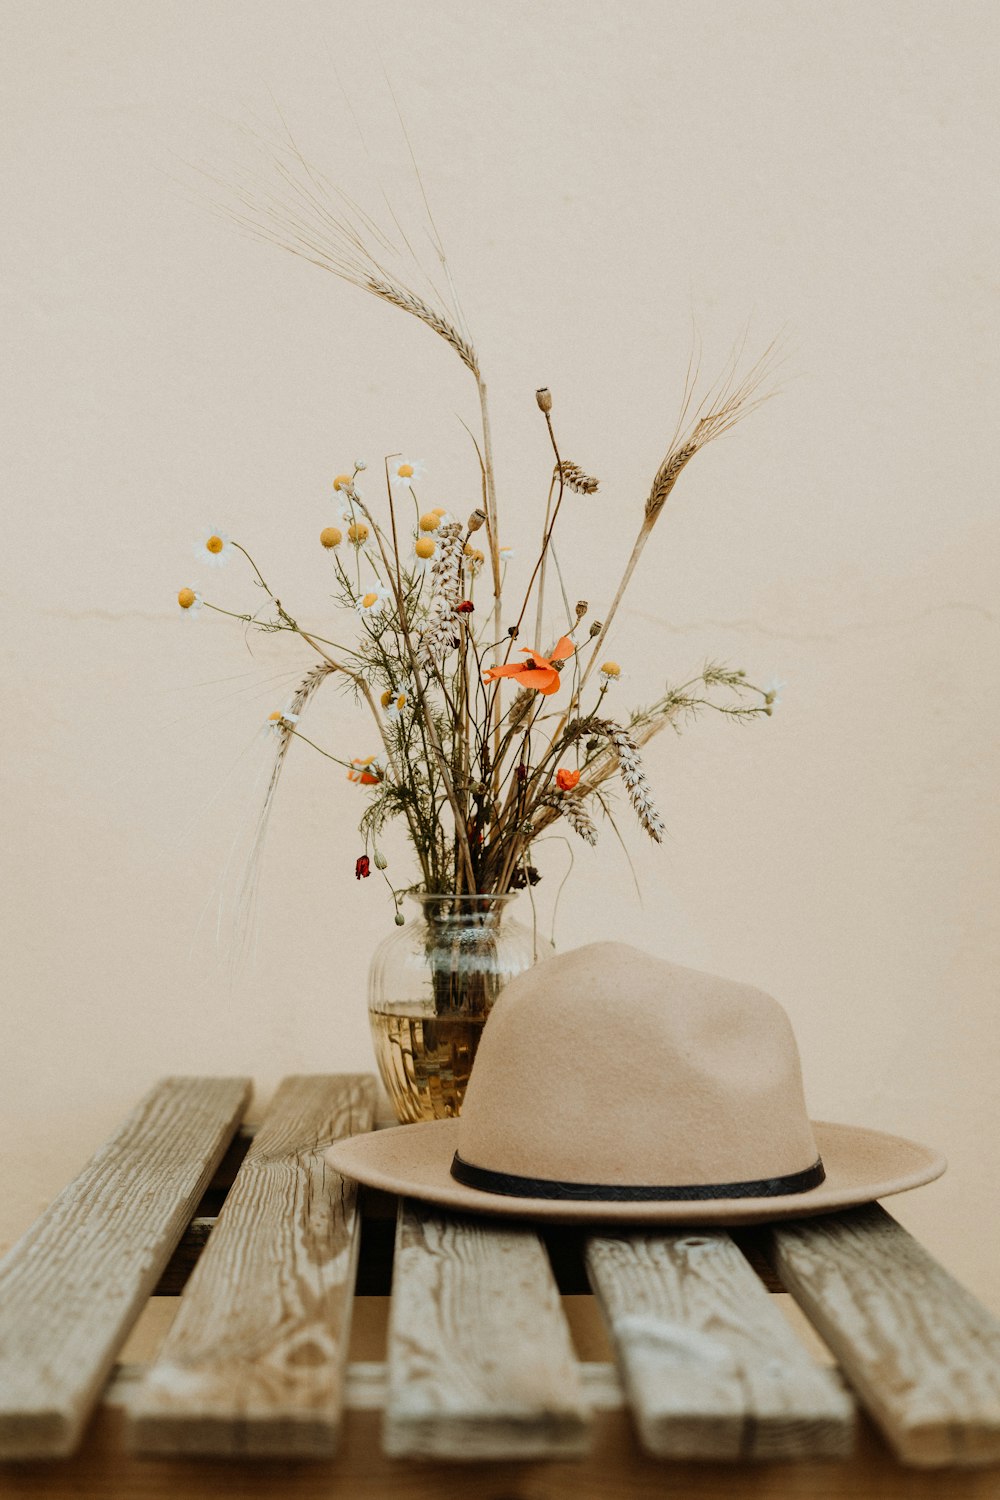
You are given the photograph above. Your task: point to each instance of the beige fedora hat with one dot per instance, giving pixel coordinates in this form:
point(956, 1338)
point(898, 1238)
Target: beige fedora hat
point(613, 1087)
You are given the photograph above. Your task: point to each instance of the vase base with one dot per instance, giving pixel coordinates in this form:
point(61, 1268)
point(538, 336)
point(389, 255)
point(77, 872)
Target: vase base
point(425, 1061)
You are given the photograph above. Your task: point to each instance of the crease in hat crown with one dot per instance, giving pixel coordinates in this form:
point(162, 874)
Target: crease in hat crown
point(608, 1065)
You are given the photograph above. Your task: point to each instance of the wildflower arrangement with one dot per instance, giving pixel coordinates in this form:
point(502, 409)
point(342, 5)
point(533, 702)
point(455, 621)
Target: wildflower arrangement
point(488, 726)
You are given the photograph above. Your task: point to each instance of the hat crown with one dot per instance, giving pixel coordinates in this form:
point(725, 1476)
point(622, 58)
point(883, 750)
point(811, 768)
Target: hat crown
point(609, 1065)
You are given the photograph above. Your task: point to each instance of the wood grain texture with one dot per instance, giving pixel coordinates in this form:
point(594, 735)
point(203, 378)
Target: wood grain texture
point(712, 1369)
point(922, 1352)
point(71, 1288)
point(253, 1364)
point(481, 1364)
point(615, 1469)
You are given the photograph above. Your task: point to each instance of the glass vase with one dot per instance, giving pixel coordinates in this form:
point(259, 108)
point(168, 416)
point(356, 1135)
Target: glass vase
point(432, 984)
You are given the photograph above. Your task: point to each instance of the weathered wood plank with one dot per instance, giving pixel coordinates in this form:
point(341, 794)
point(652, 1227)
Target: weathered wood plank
point(616, 1468)
point(366, 1384)
point(711, 1368)
point(922, 1352)
point(253, 1364)
point(481, 1364)
point(71, 1288)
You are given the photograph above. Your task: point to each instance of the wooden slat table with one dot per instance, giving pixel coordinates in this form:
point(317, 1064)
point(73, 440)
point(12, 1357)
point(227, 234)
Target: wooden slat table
point(510, 1361)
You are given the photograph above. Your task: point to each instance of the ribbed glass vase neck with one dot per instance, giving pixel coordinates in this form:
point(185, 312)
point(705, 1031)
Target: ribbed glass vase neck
point(438, 907)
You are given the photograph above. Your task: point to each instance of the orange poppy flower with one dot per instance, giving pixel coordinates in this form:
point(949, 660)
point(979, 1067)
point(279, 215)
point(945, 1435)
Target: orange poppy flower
point(366, 771)
point(566, 780)
point(538, 672)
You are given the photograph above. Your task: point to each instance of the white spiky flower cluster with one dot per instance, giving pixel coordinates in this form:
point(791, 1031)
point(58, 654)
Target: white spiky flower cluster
point(446, 573)
point(575, 813)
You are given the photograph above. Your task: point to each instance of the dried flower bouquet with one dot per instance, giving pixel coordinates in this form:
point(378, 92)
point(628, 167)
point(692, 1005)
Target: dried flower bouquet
point(488, 731)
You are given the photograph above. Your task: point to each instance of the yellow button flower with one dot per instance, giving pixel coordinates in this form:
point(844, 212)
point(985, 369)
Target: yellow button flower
point(190, 601)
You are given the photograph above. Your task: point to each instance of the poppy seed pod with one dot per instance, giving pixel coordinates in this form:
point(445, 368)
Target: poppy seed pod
point(477, 519)
point(544, 399)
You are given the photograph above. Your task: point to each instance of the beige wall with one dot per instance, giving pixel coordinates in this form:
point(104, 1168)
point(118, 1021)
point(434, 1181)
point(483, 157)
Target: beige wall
point(602, 174)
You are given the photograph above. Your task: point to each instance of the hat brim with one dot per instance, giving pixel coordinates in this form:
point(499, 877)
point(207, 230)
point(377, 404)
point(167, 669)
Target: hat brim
point(415, 1161)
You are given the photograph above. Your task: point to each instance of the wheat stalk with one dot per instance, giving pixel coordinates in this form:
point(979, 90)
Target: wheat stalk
point(575, 479)
point(570, 806)
point(446, 571)
point(524, 700)
point(400, 297)
point(667, 476)
point(310, 218)
point(633, 774)
point(439, 635)
point(725, 404)
point(303, 695)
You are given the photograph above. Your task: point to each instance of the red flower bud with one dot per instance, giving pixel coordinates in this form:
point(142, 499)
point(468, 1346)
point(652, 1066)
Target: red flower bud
point(362, 869)
point(566, 780)
point(465, 608)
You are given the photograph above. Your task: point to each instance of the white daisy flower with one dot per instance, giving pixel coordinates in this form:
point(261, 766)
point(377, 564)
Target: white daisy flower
point(190, 602)
point(396, 701)
point(506, 553)
point(281, 719)
point(343, 483)
point(473, 560)
point(372, 603)
point(611, 672)
point(404, 473)
point(215, 549)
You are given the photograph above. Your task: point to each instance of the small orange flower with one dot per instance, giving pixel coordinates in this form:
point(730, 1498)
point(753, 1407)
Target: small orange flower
point(566, 780)
point(365, 771)
point(538, 673)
